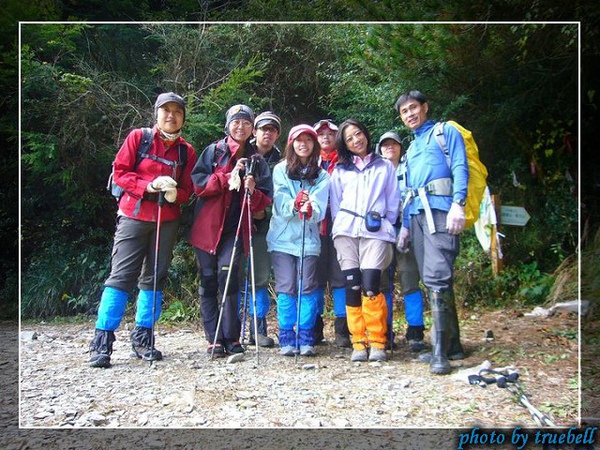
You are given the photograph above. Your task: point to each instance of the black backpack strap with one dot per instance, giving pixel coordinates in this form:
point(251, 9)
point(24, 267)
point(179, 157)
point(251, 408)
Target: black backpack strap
point(144, 146)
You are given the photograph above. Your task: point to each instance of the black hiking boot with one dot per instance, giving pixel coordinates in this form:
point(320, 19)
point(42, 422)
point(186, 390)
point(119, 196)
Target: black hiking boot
point(415, 337)
point(141, 343)
point(318, 331)
point(101, 348)
point(263, 339)
point(342, 333)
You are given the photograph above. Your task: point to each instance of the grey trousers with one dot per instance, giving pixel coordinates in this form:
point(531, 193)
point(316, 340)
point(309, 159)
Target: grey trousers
point(133, 254)
point(435, 253)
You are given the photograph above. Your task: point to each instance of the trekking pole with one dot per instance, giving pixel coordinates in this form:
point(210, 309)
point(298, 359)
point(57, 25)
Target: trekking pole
point(245, 303)
point(161, 201)
point(300, 276)
point(228, 279)
point(392, 272)
point(539, 417)
point(253, 283)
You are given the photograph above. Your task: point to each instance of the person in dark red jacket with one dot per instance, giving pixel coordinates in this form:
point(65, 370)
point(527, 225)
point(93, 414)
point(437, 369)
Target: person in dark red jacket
point(133, 254)
point(221, 180)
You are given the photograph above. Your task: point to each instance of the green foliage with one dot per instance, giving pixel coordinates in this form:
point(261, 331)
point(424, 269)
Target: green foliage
point(64, 278)
point(516, 285)
point(84, 86)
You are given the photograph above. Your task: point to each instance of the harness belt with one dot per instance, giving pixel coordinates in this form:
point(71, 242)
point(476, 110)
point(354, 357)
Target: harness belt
point(441, 186)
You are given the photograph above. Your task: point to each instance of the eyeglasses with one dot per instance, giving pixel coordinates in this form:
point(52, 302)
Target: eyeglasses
point(241, 123)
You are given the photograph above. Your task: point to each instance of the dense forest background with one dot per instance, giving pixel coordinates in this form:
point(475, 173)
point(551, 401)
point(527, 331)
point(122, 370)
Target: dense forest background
point(83, 86)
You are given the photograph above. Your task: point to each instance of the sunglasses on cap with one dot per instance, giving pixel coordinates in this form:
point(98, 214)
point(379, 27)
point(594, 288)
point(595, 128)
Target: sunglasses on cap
point(325, 122)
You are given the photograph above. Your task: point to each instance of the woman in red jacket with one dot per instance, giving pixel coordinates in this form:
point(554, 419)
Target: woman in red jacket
point(165, 167)
point(218, 212)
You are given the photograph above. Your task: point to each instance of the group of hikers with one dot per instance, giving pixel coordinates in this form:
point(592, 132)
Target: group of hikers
point(332, 213)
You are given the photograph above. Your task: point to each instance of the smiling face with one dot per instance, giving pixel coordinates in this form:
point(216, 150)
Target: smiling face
point(169, 117)
point(413, 113)
point(391, 150)
point(240, 130)
point(326, 138)
point(303, 147)
point(356, 141)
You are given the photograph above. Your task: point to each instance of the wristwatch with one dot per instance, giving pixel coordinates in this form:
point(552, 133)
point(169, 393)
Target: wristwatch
point(462, 202)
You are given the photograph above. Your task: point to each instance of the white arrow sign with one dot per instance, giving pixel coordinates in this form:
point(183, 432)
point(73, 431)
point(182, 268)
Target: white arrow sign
point(514, 215)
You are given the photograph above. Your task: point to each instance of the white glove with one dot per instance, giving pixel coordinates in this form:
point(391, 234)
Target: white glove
point(403, 240)
point(455, 221)
point(235, 182)
point(170, 194)
point(161, 183)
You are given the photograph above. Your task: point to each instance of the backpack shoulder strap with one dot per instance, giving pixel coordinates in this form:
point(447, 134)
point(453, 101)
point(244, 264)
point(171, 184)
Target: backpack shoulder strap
point(145, 145)
point(438, 132)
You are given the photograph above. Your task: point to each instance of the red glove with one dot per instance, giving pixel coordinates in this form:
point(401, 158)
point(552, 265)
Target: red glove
point(300, 199)
point(306, 211)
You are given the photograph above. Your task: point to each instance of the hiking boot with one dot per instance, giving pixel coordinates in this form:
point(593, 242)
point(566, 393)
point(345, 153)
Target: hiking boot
point(141, 344)
point(318, 331)
point(263, 339)
point(219, 351)
point(307, 350)
point(342, 334)
point(101, 348)
point(416, 346)
point(359, 355)
point(377, 354)
point(287, 350)
point(233, 347)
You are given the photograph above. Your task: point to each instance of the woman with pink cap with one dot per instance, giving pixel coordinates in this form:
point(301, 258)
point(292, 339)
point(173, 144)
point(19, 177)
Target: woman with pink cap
point(300, 193)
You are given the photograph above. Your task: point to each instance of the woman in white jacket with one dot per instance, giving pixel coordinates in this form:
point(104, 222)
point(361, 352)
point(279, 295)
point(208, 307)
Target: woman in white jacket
point(365, 201)
point(300, 193)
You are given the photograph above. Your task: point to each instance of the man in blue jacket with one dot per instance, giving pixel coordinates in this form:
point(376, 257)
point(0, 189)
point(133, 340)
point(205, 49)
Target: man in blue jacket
point(433, 217)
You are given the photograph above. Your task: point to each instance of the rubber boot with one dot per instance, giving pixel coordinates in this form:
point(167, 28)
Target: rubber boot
point(342, 333)
point(263, 339)
point(455, 348)
point(439, 364)
point(101, 348)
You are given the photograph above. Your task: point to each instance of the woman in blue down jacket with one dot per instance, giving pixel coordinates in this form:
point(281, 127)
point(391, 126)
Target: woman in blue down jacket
point(300, 192)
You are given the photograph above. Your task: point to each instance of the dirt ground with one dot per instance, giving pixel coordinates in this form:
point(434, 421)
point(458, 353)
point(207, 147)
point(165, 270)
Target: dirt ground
point(186, 390)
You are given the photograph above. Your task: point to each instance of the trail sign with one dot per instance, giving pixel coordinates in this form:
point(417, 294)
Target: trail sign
point(514, 215)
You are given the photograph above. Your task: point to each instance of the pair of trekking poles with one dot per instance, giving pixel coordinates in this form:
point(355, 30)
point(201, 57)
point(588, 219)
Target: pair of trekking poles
point(246, 206)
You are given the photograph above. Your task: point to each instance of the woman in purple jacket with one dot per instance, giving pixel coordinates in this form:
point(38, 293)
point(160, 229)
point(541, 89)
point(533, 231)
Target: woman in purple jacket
point(365, 200)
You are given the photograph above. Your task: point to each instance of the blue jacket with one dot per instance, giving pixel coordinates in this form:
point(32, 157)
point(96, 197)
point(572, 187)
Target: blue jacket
point(426, 162)
point(285, 229)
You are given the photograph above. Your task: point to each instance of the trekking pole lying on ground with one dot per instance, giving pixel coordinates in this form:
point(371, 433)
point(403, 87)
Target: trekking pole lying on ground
point(540, 418)
point(228, 279)
point(161, 201)
point(511, 383)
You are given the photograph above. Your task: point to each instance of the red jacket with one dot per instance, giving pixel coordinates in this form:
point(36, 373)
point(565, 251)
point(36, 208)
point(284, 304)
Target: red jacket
point(330, 159)
point(135, 180)
point(211, 183)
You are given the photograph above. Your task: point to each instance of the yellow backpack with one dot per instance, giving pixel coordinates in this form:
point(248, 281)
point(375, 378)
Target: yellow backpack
point(477, 171)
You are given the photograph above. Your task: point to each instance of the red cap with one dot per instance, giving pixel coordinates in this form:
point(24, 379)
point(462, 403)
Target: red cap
point(299, 129)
